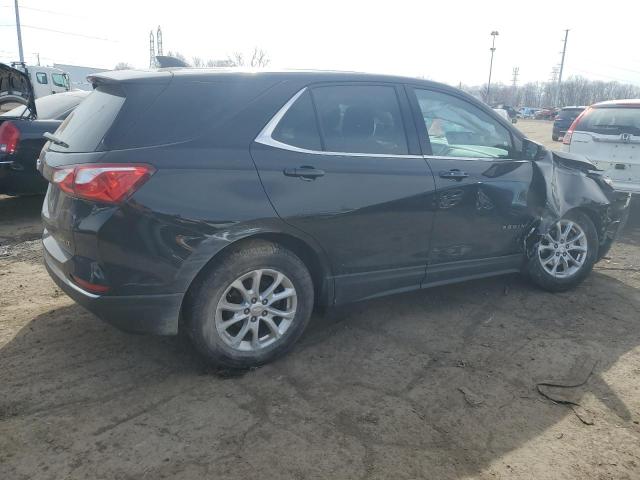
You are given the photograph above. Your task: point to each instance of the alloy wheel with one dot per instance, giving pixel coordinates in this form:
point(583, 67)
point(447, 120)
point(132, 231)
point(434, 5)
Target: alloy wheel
point(562, 251)
point(256, 309)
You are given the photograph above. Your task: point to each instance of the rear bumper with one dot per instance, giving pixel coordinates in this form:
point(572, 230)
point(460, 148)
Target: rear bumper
point(148, 314)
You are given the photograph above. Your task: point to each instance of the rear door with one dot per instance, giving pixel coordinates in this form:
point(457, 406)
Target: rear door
point(483, 188)
point(341, 162)
point(609, 136)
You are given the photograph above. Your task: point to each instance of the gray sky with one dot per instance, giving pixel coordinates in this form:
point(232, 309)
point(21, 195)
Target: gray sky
point(446, 41)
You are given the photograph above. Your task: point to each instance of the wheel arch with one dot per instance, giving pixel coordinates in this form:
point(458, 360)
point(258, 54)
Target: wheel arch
point(312, 256)
point(595, 216)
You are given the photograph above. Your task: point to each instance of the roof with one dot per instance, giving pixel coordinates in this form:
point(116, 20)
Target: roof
point(208, 73)
point(630, 102)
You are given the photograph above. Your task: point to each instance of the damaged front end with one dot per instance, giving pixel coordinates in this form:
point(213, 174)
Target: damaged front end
point(568, 182)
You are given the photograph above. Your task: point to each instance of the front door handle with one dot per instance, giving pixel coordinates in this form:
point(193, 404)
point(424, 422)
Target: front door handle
point(305, 172)
point(453, 174)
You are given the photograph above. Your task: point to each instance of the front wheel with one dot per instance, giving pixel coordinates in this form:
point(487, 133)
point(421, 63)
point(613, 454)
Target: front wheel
point(251, 307)
point(565, 254)
point(555, 138)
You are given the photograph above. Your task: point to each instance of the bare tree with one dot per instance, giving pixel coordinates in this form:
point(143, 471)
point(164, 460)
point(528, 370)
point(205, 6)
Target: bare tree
point(257, 59)
point(197, 62)
point(123, 66)
point(574, 90)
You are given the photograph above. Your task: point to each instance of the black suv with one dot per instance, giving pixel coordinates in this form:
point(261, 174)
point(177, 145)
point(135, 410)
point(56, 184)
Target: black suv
point(228, 204)
point(563, 121)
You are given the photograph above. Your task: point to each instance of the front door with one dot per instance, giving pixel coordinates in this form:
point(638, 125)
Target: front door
point(337, 162)
point(484, 198)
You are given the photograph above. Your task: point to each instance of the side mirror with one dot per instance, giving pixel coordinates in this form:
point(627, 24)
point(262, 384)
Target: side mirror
point(531, 150)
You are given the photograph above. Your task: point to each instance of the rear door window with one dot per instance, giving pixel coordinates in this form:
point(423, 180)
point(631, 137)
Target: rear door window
point(611, 121)
point(42, 78)
point(457, 128)
point(298, 127)
point(360, 119)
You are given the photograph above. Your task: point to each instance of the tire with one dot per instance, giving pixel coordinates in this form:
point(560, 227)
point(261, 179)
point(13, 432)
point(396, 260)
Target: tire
point(266, 336)
point(567, 277)
point(555, 138)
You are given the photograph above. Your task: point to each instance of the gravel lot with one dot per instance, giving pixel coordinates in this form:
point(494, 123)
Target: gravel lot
point(433, 384)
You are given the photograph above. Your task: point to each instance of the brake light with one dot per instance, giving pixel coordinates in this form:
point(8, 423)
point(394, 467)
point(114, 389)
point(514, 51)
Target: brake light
point(9, 137)
point(566, 140)
point(103, 183)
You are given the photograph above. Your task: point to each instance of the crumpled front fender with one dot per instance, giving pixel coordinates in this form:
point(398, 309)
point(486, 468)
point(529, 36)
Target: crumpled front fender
point(568, 181)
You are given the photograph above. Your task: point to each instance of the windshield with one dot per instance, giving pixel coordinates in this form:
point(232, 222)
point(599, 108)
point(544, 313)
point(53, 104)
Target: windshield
point(612, 121)
point(49, 107)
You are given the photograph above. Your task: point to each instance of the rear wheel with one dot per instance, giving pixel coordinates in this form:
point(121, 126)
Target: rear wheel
point(555, 138)
point(565, 254)
point(251, 307)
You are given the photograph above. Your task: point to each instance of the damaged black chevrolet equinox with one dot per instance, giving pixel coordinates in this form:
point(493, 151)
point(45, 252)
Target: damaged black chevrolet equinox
point(227, 204)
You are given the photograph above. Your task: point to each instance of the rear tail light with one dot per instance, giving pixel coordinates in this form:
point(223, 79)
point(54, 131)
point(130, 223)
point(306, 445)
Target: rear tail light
point(566, 140)
point(9, 137)
point(103, 183)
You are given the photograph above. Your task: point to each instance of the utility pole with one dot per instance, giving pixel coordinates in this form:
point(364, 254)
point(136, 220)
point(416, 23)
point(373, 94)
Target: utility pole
point(514, 85)
point(159, 41)
point(152, 51)
point(494, 34)
point(516, 71)
point(564, 51)
point(19, 32)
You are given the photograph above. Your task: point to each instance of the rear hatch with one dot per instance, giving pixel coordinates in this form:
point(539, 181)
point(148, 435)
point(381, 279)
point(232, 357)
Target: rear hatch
point(609, 136)
point(16, 89)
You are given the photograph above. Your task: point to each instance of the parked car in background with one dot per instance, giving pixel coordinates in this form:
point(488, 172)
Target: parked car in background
point(44, 81)
point(563, 121)
point(227, 204)
point(527, 112)
point(546, 114)
point(503, 113)
point(512, 113)
point(608, 134)
point(21, 139)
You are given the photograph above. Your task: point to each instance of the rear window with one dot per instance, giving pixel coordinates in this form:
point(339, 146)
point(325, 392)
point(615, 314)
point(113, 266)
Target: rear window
point(569, 113)
point(611, 121)
point(87, 125)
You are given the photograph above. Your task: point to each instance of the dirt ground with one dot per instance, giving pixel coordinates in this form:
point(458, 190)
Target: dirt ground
point(437, 384)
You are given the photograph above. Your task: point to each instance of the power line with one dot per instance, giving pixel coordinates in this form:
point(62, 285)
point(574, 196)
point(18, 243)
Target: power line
point(52, 12)
point(64, 33)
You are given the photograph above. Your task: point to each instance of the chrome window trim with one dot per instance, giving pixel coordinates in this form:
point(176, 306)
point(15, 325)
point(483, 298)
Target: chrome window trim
point(265, 138)
point(444, 157)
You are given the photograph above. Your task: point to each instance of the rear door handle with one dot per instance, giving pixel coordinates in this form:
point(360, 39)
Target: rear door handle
point(453, 174)
point(305, 172)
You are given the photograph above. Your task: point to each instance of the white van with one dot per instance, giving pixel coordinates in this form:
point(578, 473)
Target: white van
point(608, 134)
point(48, 80)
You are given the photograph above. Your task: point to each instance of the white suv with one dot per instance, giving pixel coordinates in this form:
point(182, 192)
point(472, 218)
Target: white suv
point(608, 134)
